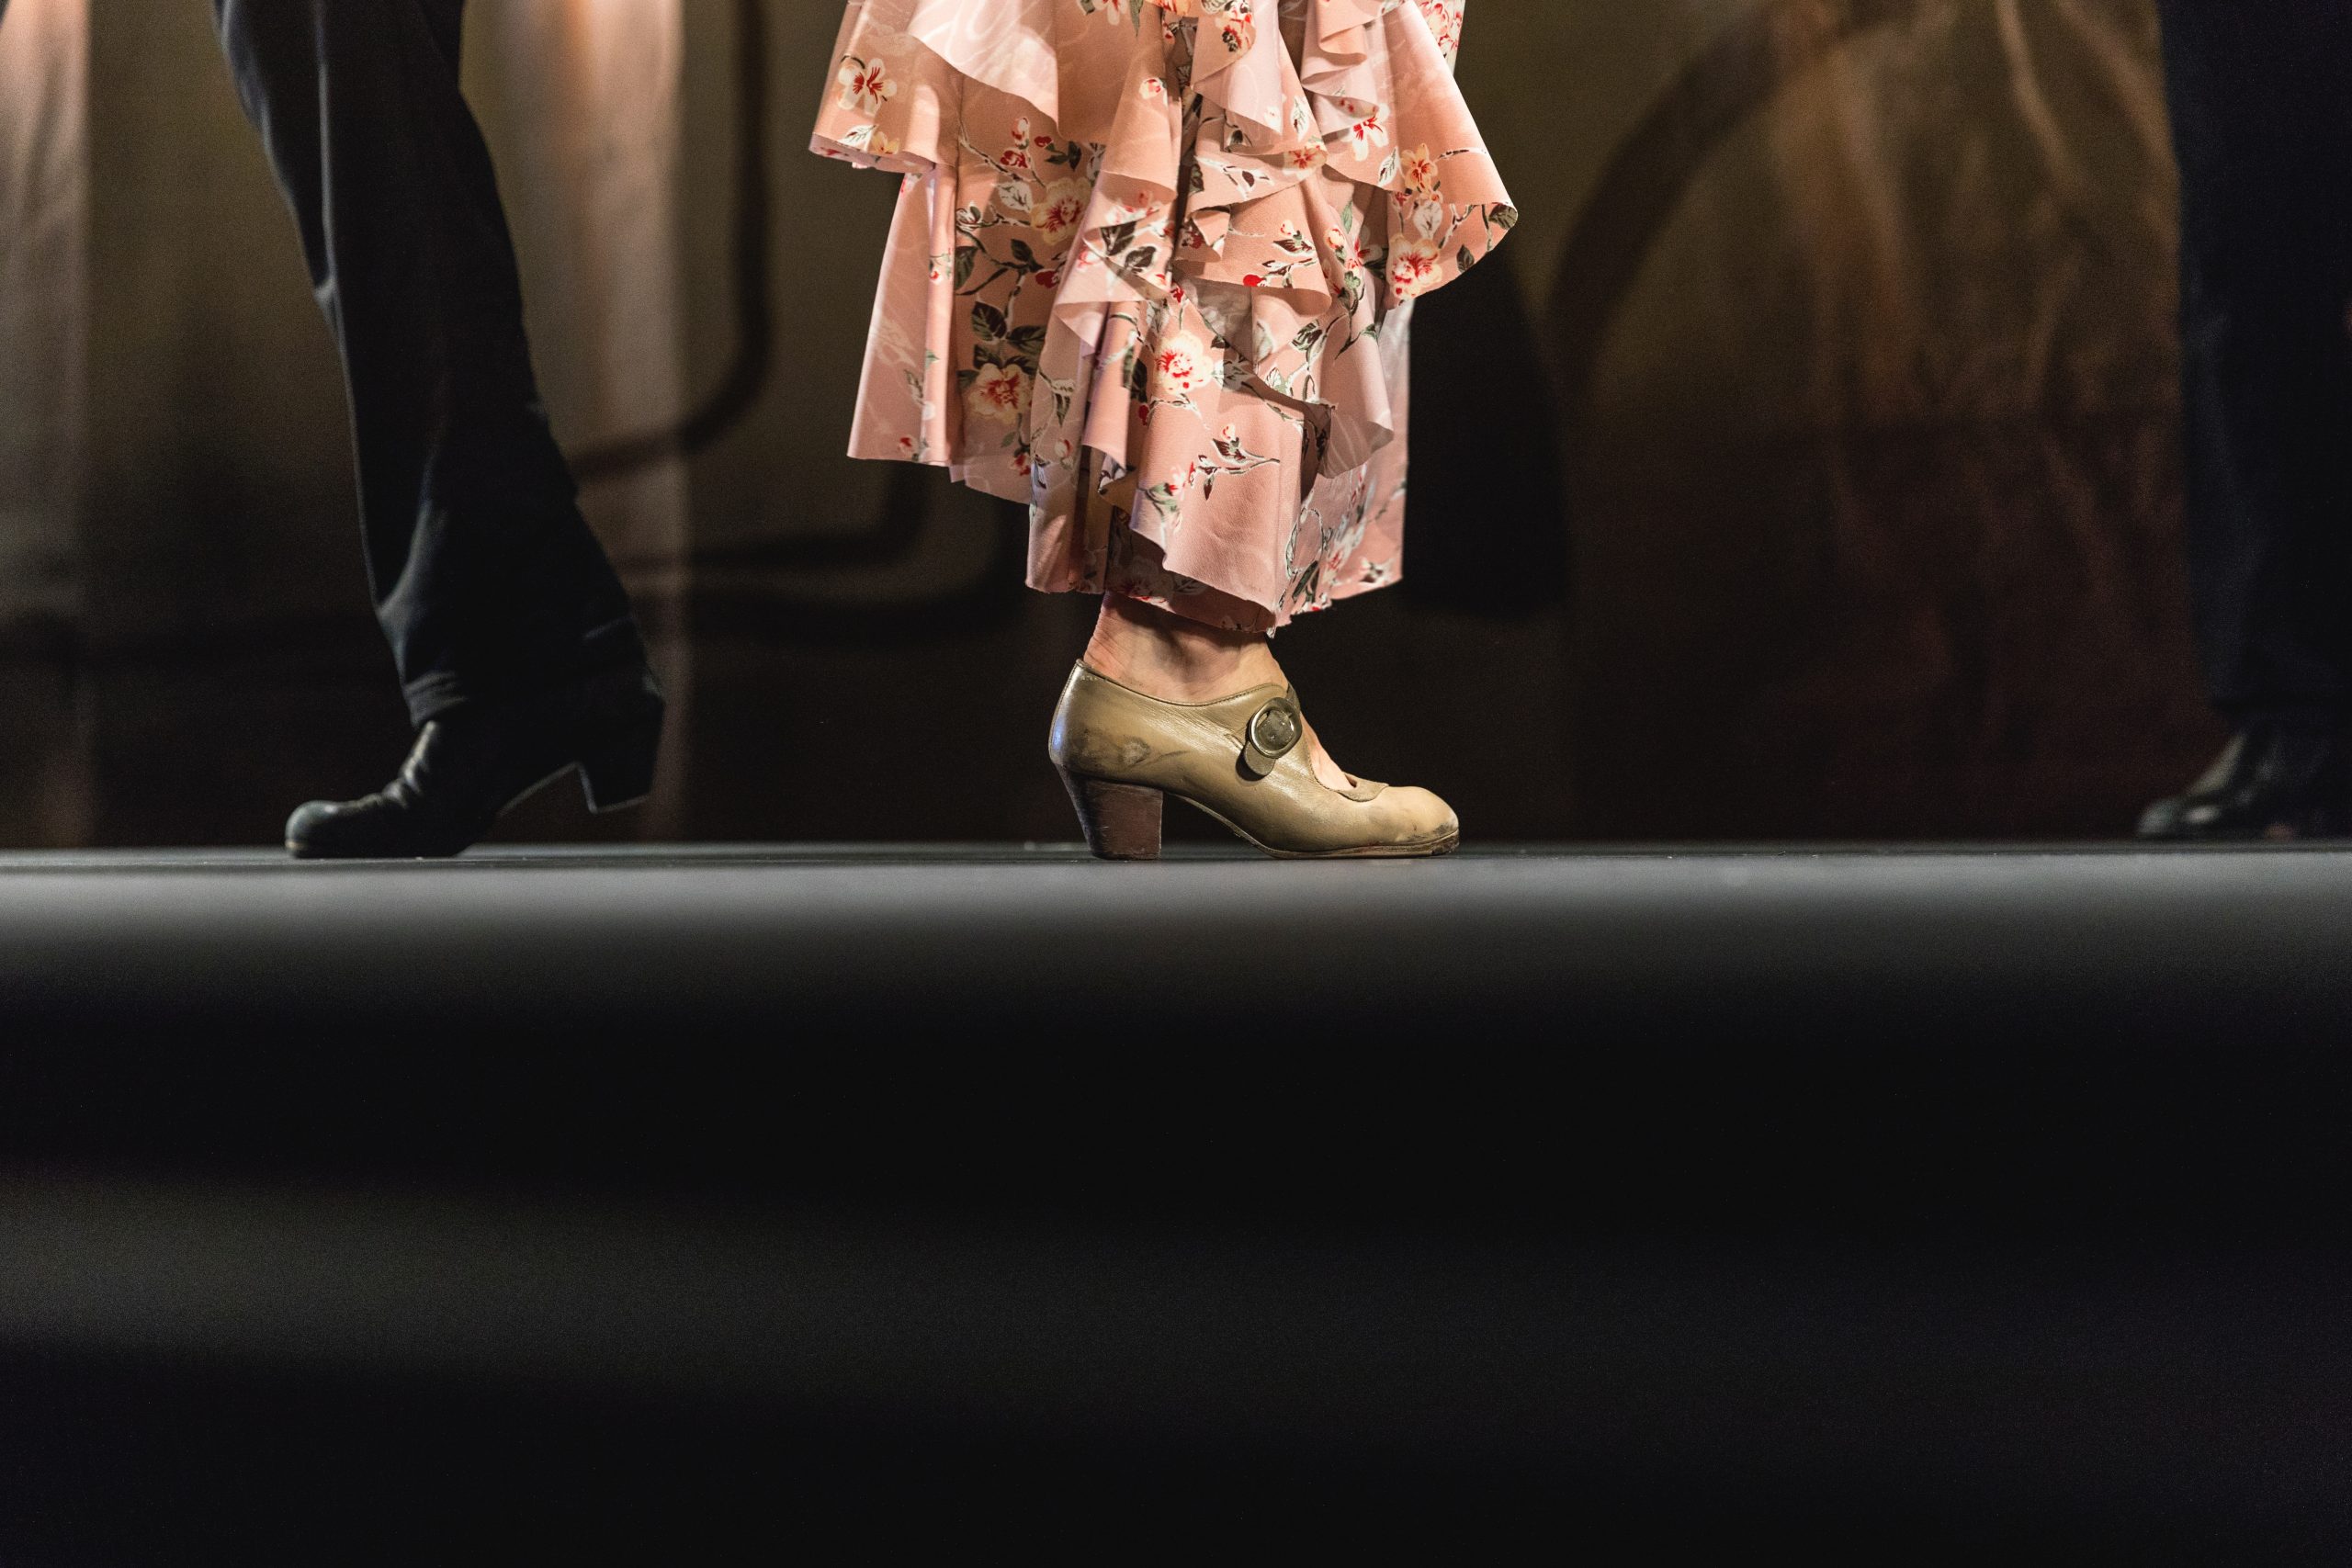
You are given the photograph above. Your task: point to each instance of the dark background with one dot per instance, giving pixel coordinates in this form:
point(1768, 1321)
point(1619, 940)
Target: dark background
point(1809, 471)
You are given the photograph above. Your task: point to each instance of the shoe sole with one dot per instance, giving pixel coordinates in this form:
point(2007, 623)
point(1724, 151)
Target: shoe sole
point(1433, 850)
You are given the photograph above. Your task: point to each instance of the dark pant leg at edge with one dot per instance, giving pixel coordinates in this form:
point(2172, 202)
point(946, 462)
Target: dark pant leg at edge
point(2261, 101)
point(485, 576)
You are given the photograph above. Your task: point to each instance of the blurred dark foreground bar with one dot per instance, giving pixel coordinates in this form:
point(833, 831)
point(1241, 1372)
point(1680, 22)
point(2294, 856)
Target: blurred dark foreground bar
point(1891, 1207)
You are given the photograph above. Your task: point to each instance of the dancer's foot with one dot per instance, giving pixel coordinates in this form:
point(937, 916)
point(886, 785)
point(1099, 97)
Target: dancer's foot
point(1161, 707)
point(2273, 782)
point(474, 763)
point(1161, 655)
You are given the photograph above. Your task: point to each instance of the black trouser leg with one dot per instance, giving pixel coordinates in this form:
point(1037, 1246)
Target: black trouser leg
point(485, 576)
point(2262, 109)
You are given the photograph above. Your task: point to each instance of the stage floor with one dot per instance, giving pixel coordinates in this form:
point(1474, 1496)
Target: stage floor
point(1012, 926)
point(2015, 965)
point(2151, 939)
point(1984, 1025)
point(1900, 1191)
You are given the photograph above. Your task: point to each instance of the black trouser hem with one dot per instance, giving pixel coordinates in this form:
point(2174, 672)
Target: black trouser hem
point(617, 645)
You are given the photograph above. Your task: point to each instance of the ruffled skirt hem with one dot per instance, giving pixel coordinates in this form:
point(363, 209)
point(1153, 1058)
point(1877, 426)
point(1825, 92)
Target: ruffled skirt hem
point(1152, 273)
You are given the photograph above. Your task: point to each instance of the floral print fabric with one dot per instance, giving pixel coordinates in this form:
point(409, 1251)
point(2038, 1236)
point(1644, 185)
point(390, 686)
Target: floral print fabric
point(1153, 271)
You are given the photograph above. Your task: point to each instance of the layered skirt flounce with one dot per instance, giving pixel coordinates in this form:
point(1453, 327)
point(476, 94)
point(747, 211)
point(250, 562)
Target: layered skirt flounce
point(1152, 273)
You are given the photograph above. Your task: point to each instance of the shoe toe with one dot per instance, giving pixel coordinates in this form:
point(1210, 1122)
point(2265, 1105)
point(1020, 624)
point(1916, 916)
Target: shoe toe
point(1422, 818)
point(312, 825)
point(338, 830)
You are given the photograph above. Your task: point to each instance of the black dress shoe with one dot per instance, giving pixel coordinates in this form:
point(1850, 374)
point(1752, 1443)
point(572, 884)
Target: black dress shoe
point(2272, 784)
point(473, 764)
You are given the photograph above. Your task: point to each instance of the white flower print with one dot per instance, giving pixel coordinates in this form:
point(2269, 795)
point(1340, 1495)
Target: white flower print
point(1415, 266)
point(1445, 18)
point(1419, 170)
point(1000, 395)
point(1064, 207)
point(1183, 365)
point(869, 139)
point(1237, 28)
point(866, 85)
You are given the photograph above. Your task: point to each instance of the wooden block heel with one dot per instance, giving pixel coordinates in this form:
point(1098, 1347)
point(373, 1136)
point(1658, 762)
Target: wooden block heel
point(617, 773)
point(1121, 821)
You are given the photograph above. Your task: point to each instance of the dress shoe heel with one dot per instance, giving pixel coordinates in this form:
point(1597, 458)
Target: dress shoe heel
point(616, 772)
point(1121, 821)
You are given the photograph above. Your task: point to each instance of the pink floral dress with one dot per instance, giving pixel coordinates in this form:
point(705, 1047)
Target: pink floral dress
point(1153, 271)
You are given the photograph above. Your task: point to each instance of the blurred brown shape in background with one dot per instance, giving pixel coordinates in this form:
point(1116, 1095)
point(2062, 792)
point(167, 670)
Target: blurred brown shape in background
point(1876, 436)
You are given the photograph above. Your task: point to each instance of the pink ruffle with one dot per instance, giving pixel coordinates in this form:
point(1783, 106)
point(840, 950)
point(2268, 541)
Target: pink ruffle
point(1210, 413)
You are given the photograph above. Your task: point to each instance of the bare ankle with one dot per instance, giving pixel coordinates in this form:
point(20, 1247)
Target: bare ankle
point(1167, 656)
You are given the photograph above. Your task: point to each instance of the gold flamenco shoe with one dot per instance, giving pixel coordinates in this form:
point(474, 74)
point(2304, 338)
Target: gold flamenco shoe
point(1243, 760)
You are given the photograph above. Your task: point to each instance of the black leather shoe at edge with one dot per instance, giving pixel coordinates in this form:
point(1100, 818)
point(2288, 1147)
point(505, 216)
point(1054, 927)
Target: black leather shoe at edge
point(2272, 782)
point(473, 764)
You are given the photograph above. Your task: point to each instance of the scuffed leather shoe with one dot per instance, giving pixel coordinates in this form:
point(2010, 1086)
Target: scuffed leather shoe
point(473, 764)
point(2272, 782)
point(1244, 761)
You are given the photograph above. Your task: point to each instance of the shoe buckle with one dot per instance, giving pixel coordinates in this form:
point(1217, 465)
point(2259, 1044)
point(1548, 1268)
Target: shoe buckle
point(1274, 733)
